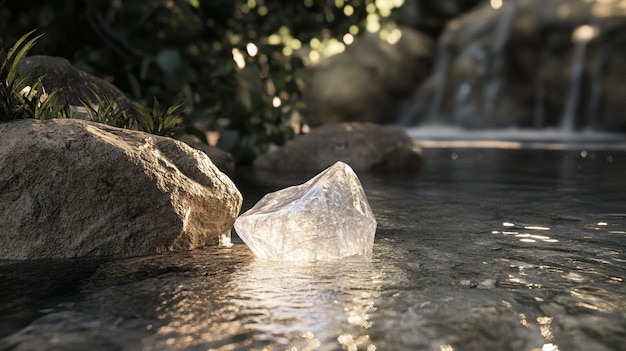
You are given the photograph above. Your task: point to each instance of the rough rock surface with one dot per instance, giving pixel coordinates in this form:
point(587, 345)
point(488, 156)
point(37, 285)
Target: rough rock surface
point(71, 188)
point(366, 82)
point(73, 85)
point(530, 63)
point(222, 159)
point(364, 146)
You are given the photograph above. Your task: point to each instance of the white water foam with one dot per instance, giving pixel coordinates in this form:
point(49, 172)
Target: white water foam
point(516, 138)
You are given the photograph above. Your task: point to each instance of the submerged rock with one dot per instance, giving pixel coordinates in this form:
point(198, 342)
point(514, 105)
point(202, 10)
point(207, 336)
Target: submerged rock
point(72, 188)
point(327, 217)
point(365, 146)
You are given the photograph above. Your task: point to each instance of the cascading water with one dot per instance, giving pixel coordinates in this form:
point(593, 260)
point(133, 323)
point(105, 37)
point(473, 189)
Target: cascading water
point(494, 75)
point(523, 64)
point(581, 37)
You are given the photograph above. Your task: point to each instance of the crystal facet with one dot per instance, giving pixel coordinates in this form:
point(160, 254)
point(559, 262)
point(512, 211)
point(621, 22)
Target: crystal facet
point(327, 217)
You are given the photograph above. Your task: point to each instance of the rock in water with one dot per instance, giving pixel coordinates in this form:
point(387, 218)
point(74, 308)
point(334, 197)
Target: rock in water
point(327, 217)
point(364, 146)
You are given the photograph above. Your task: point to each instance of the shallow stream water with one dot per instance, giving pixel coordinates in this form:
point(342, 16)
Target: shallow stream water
point(513, 248)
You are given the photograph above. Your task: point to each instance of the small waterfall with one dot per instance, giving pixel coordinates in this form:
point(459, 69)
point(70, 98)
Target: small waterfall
point(525, 64)
point(570, 105)
point(442, 63)
point(491, 74)
point(494, 74)
point(581, 38)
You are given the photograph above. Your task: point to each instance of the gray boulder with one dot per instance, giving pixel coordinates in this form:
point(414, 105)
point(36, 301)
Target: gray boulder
point(367, 81)
point(72, 188)
point(364, 146)
point(72, 84)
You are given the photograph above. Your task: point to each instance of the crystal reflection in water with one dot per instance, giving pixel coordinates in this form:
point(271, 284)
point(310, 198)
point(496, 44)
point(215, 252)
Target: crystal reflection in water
point(309, 305)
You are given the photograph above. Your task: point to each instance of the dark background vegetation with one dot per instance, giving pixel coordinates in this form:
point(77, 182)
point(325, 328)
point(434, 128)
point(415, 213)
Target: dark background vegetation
point(182, 50)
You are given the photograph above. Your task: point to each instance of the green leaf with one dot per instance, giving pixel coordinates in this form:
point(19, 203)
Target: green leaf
point(15, 56)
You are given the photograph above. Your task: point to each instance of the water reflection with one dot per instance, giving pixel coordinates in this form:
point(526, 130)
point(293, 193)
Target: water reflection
point(309, 305)
point(526, 233)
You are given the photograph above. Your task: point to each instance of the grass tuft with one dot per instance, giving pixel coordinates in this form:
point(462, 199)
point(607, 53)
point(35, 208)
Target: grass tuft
point(24, 96)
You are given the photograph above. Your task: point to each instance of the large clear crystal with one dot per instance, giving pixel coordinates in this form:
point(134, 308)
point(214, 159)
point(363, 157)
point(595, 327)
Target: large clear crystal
point(326, 218)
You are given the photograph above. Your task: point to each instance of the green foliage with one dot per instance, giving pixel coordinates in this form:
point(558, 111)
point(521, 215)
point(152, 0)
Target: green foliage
point(164, 122)
point(40, 105)
point(23, 96)
point(104, 110)
point(185, 50)
point(158, 121)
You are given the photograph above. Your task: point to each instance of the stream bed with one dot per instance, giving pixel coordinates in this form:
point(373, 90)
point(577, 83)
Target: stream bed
point(487, 249)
